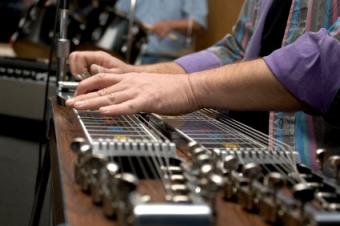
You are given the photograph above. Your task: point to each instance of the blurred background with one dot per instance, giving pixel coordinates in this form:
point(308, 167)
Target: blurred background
point(26, 37)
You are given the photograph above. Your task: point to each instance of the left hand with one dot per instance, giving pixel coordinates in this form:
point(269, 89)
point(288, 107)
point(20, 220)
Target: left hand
point(97, 62)
point(116, 94)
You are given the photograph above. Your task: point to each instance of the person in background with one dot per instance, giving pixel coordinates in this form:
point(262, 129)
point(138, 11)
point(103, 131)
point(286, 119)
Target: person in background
point(171, 25)
point(283, 56)
point(11, 11)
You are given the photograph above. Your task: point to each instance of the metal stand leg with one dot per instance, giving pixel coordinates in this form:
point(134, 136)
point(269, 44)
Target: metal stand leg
point(41, 189)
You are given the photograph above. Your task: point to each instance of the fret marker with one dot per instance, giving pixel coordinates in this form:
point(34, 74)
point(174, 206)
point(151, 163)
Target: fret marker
point(120, 137)
point(115, 128)
point(231, 145)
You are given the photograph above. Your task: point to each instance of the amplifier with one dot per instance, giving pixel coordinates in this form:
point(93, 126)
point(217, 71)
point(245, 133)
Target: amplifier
point(22, 87)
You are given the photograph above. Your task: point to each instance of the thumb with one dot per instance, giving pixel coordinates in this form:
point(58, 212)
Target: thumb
point(96, 69)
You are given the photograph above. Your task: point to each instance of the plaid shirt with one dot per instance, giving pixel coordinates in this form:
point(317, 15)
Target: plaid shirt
point(300, 130)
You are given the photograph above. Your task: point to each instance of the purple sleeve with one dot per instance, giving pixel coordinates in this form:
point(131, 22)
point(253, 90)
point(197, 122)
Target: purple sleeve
point(309, 68)
point(199, 61)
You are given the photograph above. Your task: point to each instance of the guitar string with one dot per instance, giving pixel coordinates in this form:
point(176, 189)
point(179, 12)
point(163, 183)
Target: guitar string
point(130, 162)
point(141, 165)
point(158, 159)
point(197, 117)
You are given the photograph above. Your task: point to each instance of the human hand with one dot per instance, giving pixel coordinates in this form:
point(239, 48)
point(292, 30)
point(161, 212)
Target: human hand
point(96, 62)
point(136, 92)
point(162, 28)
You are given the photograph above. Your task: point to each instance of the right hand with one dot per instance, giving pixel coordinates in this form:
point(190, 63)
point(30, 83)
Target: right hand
point(116, 94)
point(97, 62)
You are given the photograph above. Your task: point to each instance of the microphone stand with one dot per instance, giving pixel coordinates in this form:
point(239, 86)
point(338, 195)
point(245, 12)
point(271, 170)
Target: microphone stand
point(63, 44)
point(132, 13)
point(63, 50)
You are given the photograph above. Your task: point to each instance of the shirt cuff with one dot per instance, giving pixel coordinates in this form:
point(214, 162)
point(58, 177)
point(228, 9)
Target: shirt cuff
point(199, 61)
point(309, 69)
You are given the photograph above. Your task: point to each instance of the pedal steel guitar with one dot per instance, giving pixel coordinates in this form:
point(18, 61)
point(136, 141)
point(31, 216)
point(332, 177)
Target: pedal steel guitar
point(202, 168)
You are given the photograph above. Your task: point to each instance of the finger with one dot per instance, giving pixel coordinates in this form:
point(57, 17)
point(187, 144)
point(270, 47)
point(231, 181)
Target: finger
point(97, 102)
point(71, 102)
point(97, 82)
point(125, 108)
point(77, 63)
point(100, 93)
point(95, 69)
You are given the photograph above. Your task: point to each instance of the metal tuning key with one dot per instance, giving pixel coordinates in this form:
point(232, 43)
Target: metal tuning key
point(322, 155)
point(303, 193)
point(126, 185)
point(109, 189)
point(105, 174)
point(77, 144)
point(268, 204)
point(335, 164)
point(83, 152)
point(294, 210)
point(209, 187)
point(116, 190)
point(230, 164)
point(89, 170)
point(251, 172)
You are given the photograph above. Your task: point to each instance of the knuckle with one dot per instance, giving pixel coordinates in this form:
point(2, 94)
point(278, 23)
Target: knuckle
point(99, 52)
point(112, 98)
point(102, 92)
point(82, 85)
point(73, 55)
point(101, 76)
point(131, 107)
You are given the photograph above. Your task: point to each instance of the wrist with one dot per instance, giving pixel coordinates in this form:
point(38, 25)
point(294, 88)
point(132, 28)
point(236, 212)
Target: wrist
point(199, 91)
point(162, 68)
point(137, 68)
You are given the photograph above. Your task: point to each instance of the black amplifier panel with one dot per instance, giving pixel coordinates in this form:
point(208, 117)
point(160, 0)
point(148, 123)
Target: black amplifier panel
point(22, 87)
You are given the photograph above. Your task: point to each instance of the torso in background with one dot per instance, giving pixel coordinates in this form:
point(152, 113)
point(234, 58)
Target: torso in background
point(152, 11)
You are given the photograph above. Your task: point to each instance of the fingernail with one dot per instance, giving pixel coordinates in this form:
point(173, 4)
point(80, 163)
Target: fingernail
point(95, 69)
point(70, 101)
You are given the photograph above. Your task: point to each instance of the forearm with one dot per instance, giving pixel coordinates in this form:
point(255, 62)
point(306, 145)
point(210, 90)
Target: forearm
point(186, 26)
point(242, 86)
point(162, 68)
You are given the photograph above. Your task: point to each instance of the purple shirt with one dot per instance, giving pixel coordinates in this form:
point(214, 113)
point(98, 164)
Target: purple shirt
point(309, 68)
point(206, 59)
